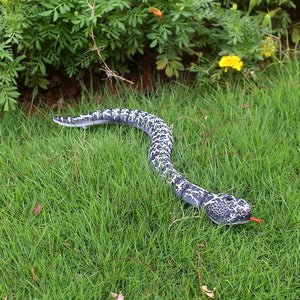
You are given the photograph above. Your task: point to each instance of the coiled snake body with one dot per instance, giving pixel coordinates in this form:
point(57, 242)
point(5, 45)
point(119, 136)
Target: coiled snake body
point(221, 208)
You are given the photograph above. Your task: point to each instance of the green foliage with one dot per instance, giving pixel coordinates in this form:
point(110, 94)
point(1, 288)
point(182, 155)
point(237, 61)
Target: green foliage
point(37, 35)
point(276, 9)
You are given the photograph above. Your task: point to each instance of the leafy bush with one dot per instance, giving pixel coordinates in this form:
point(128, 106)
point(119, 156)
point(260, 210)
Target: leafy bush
point(276, 9)
point(40, 34)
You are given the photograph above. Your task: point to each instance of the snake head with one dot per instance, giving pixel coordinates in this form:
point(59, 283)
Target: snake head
point(227, 209)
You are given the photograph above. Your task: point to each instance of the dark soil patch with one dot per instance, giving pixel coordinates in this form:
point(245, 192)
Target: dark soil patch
point(142, 73)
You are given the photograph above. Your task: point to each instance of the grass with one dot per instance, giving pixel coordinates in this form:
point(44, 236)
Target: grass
point(106, 219)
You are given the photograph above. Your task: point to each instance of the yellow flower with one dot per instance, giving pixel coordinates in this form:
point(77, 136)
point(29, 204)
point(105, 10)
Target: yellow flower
point(231, 61)
point(268, 48)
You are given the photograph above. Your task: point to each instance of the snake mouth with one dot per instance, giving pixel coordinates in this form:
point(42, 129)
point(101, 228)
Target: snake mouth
point(231, 219)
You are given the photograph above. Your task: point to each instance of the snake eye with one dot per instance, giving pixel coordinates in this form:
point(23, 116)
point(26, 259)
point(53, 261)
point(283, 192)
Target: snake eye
point(229, 198)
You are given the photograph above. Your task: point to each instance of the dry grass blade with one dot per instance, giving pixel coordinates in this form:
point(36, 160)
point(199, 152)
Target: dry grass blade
point(109, 73)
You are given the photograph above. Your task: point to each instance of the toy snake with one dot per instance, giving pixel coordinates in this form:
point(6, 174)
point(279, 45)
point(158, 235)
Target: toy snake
point(221, 208)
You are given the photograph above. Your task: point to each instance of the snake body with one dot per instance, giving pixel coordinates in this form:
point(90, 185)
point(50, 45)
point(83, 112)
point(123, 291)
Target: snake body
point(221, 208)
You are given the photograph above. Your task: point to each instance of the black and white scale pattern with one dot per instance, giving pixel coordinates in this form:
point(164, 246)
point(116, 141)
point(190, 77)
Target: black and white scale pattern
point(221, 208)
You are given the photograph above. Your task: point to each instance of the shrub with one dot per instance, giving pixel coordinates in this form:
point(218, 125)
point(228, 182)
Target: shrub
point(40, 34)
point(276, 9)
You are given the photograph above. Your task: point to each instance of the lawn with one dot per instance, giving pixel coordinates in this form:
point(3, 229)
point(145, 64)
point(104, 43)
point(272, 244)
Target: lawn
point(83, 215)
